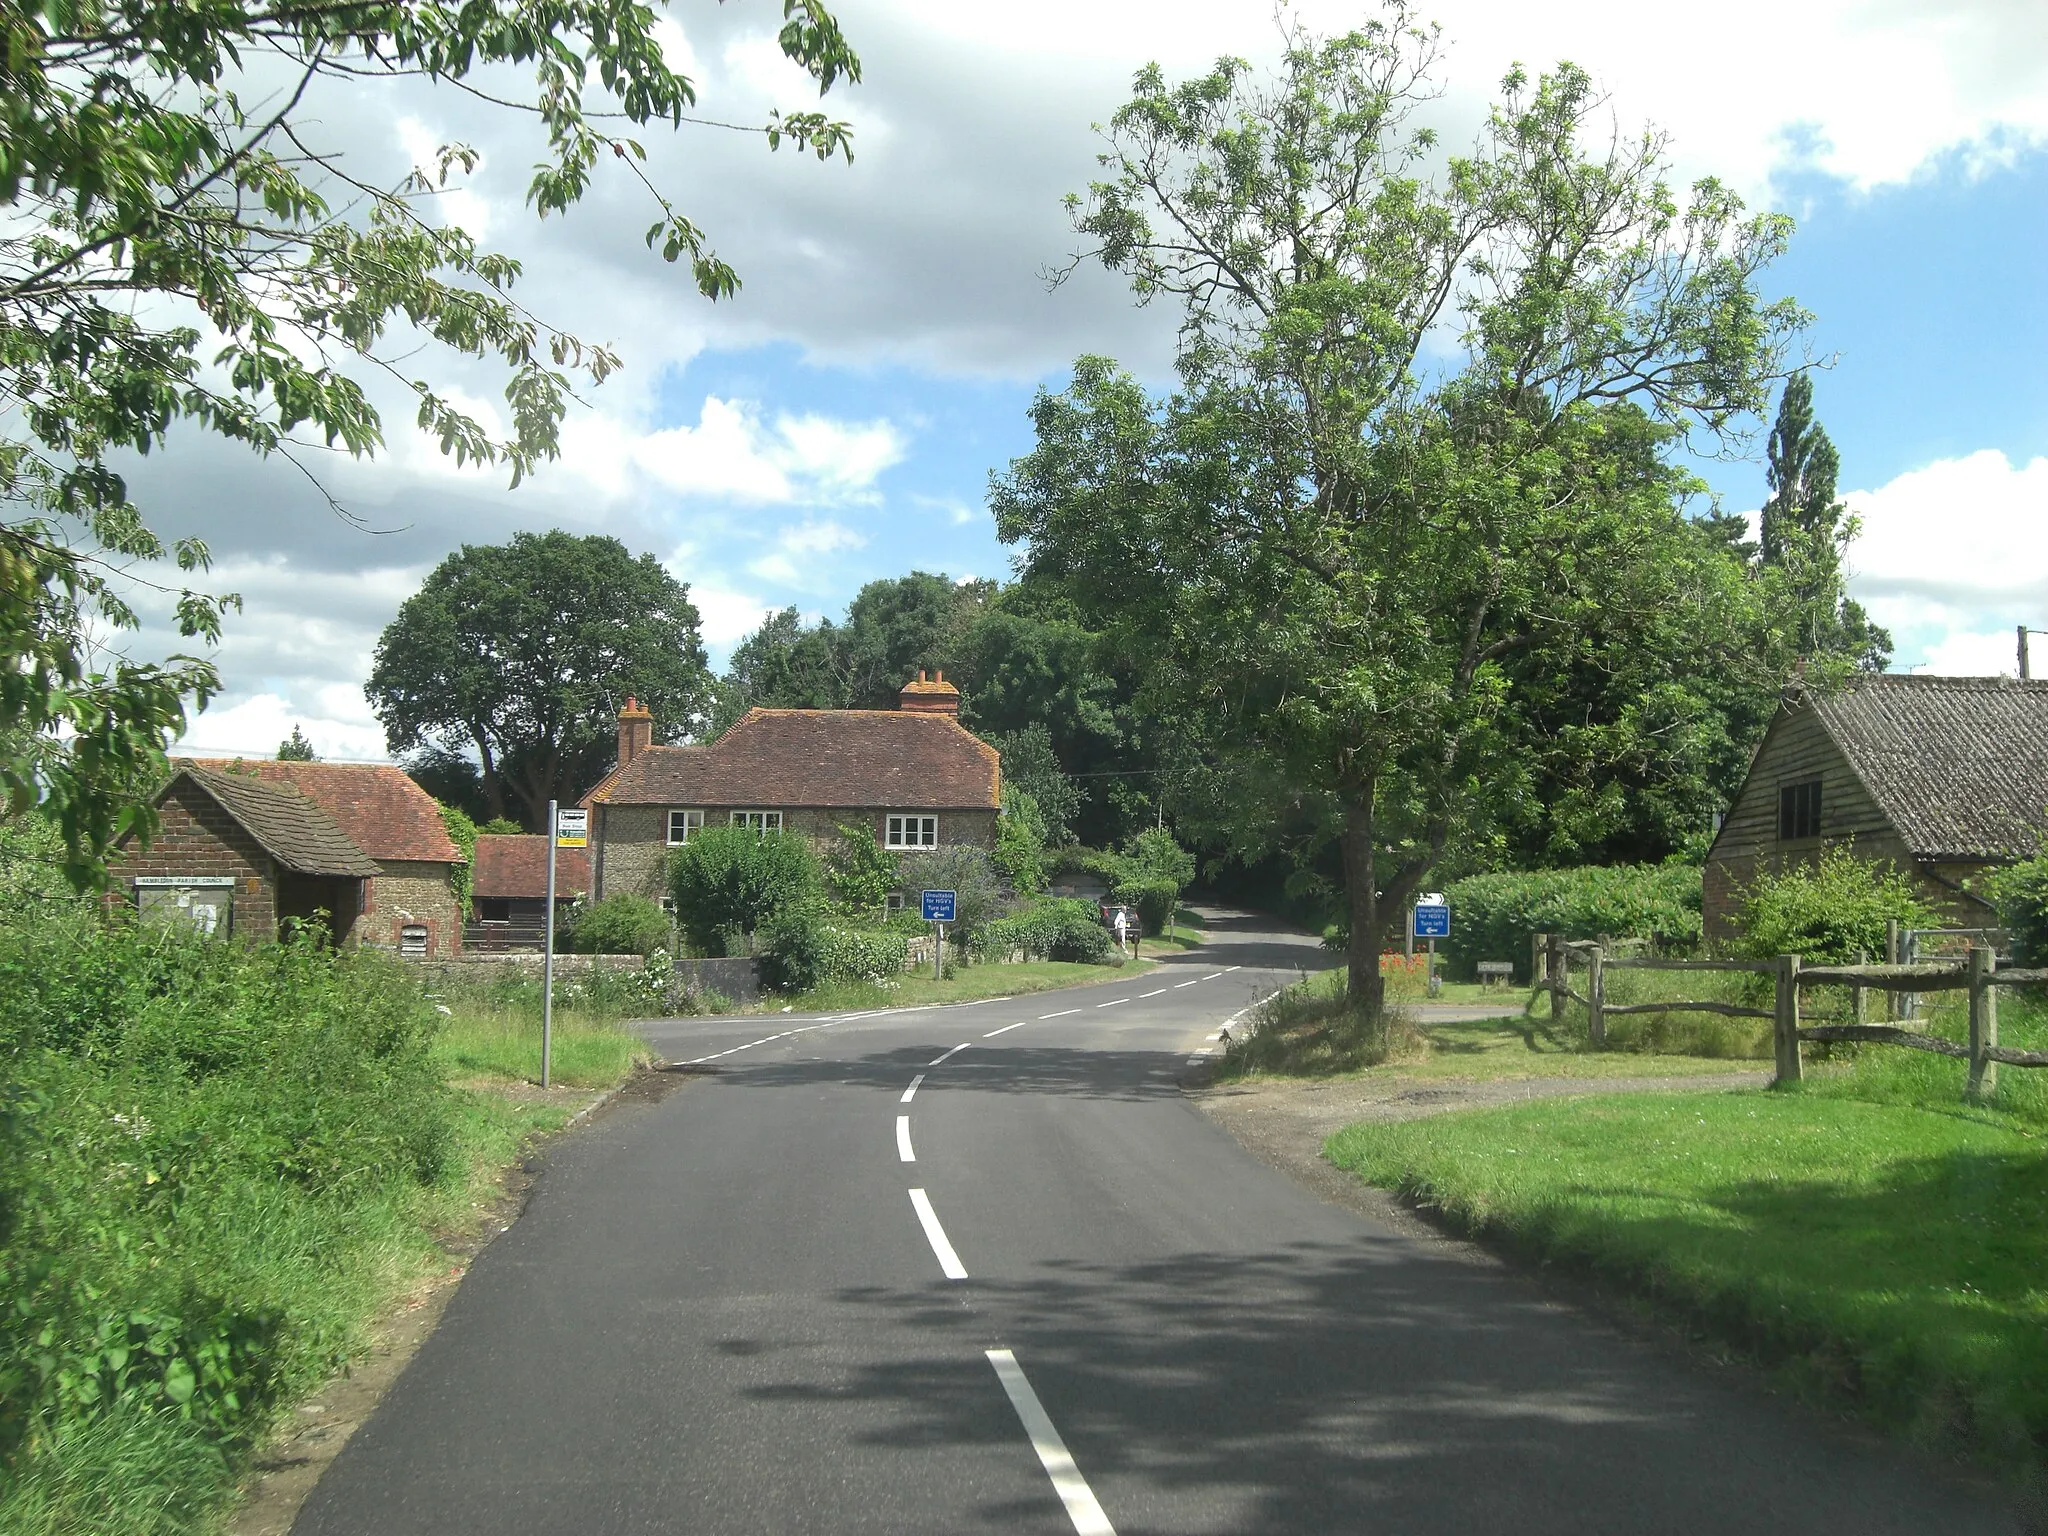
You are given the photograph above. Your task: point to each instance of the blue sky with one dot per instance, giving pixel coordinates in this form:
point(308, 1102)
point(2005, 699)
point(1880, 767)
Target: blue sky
point(838, 420)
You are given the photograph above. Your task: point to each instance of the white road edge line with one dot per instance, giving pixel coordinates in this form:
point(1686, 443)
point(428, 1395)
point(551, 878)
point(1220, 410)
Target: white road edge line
point(1154, 993)
point(903, 1151)
point(1113, 1002)
point(1060, 1015)
point(911, 1092)
point(949, 1261)
point(1067, 1481)
point(1005, 1029)
point(953, 1052)
point(1229, 968)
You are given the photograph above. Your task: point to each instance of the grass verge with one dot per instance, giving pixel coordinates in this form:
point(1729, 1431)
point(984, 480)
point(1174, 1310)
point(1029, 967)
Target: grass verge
point(1869, 1237)
point(504, 1043)
point(970, 985)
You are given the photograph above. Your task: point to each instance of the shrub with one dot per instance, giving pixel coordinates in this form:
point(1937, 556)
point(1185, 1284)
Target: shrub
point(728, 881)
point(969, 872)
point(1051, 930)
point(1154, 901)
point(462, 832)
point(1020, 841)
point(620, 925)
point(800, 950)
point(1493, 916)
point(2019, 892)
point(1828, 911)
point(862, 872)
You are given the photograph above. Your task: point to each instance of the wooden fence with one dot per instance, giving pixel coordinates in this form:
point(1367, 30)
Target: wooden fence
point(1977, 972)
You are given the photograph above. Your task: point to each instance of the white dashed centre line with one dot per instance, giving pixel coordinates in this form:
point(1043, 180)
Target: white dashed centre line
point(1153, 993)
point(953, 1052)
point(949, 1261)
point(1005, 1029)
point(1060, 1015)
point(1113, 1002)
point(1212, 976)
point(1229, 968)
point(1067, 1481)
point(1179, 984)
point(903, 1151)
point(911, 1092)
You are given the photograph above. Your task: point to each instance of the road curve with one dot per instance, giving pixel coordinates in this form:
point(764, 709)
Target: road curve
point(980, 1268)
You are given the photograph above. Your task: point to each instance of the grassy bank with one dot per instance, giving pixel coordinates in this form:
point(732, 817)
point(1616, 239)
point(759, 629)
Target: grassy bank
point(969, 985)
point(1870, 1237)
point(218, 1163)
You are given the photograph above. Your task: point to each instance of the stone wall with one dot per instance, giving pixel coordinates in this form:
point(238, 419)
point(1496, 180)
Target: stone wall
point(411, 891)
point(197, 837)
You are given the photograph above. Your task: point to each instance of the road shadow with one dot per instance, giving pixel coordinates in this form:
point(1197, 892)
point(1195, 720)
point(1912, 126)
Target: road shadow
point(1000, 1068)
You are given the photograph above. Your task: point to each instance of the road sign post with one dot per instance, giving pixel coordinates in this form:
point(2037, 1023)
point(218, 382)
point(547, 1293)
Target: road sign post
point(1431, 920)
point(937, 907)
point(547, 979)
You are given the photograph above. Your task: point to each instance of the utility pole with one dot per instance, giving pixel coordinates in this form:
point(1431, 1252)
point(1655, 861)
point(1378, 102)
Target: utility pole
point(2024, 674)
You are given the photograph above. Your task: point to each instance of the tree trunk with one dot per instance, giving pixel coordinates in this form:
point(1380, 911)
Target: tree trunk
point(1367, 988)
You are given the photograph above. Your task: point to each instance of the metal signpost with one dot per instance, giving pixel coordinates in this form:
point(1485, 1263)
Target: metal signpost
point(1432, 921)
point(567, 829)
point(937, 907)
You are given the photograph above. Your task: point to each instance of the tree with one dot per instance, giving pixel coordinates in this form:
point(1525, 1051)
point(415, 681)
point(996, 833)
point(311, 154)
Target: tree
point(295, 748)
point(862, 872)
point(1803, 532)
point(727, 881)
point(1327, 547)
point(524, 653)
point(183, 248)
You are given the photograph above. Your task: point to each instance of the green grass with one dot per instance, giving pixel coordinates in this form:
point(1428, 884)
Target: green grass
point(504, 1043)
point(965, 986)
point(1869, 1236)
point(1174, 943)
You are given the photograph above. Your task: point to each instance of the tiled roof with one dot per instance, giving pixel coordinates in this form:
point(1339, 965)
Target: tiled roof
point(380, 807)
point(1959, 765)
point(518, 866)
point(291, 828)
point(819, 758)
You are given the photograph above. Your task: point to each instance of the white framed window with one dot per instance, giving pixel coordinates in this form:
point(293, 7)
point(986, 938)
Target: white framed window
point(760, 821)
point(682, 823)
point(893, 902)
point(912, 832)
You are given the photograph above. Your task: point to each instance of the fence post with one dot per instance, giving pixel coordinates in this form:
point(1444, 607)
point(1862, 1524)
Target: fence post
point(1983, 1022)
point(1856, 1000)
point(1596, 997)
point(1553, 967)
point(1891, 957)
point(1785, 1019)
point(1538, 948)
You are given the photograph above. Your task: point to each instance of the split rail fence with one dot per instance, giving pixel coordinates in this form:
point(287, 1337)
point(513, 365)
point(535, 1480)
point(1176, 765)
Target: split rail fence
point(1975, 971)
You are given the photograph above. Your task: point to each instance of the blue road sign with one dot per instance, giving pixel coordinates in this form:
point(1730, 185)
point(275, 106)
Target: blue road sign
point(1432, 922)
point(938, 906)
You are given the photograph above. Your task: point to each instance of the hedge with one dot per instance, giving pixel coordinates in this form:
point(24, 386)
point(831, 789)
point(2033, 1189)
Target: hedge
point(799, 951)
point(1063, 929)
point(1493, 916)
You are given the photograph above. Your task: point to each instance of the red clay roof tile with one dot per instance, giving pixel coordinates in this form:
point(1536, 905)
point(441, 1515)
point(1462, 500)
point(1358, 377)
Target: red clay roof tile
point(517, 865)
point(378, 805)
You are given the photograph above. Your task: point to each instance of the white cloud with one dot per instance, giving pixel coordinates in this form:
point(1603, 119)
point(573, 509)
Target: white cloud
point(1954, 554)
point(337, 722)
point(731, 452)
point(816, 538)
point(728, 616)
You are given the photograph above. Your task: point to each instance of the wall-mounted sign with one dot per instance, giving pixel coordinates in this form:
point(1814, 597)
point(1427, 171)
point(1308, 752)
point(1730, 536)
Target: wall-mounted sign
point(178, 880)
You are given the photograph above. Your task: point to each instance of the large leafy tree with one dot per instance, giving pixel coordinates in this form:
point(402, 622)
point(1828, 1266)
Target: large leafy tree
point(523, 654)
point(184, 246)
point(1329, 543)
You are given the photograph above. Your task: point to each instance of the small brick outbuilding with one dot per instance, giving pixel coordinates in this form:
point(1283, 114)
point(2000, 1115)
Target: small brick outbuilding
point(246, 845)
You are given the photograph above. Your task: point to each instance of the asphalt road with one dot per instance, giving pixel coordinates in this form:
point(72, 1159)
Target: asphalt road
point(1040, 1293)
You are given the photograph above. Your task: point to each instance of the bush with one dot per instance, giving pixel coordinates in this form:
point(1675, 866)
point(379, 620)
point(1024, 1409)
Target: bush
point(800, 950)
point(862, 871)
point(1825, 913)
point(620, 925)
point(1051, 930)
point(728, 881)
point(1312, 1029)
point(2019, 892)
point(1153, 899)
point(204, 1145)
point(1493, 916)
point(1020, 841)
point(968, 872)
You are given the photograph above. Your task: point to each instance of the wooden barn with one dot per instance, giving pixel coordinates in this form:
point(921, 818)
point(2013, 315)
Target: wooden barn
point(1944, 777)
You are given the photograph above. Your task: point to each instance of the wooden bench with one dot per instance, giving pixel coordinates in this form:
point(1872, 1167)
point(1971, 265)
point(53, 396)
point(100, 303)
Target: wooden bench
point(1497, 973)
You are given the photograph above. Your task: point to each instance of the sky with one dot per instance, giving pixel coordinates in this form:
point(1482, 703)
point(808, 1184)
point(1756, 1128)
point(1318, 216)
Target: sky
point(837, 420)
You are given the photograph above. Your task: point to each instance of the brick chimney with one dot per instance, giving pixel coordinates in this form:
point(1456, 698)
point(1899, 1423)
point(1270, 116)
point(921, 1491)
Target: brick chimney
point(636, 730)
point(937, 697)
